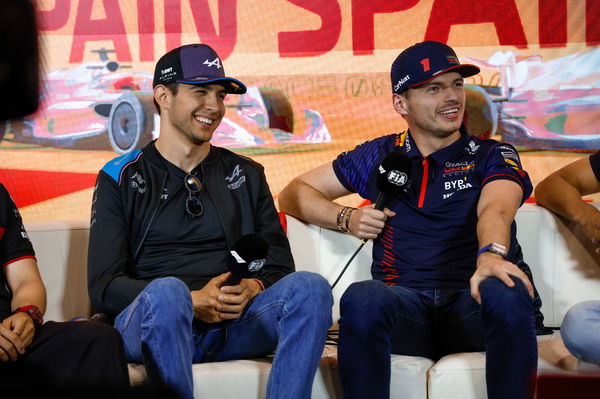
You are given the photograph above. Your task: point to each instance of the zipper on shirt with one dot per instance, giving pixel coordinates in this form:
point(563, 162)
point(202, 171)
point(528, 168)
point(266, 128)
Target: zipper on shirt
point(424, 179)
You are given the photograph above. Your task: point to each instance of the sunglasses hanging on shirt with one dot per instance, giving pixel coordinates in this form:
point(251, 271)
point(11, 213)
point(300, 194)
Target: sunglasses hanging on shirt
point(193, 205)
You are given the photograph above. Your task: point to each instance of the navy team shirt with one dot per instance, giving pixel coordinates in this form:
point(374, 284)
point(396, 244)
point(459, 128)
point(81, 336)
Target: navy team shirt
point(432, 240)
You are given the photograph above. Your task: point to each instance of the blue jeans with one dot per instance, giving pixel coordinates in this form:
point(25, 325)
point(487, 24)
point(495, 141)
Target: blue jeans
point(289, 318)
point(377, 320)
point(580, 331)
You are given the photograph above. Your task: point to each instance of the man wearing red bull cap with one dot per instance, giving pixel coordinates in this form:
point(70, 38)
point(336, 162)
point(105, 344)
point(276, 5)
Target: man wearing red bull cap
point(164, 221)
point(448, 273)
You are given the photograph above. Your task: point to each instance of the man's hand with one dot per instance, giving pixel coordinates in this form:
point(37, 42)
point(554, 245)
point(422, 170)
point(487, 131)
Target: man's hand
point(216, 302)
point(591, 224)
point(11, 343)
point(493, 265)
point(367, 222)
point(234, 298)
point(205, 299)
point(23, 325)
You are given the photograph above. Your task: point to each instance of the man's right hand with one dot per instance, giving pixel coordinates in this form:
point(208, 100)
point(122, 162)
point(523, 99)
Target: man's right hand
point(11, 345)
point(367, 222)
point(205, 300)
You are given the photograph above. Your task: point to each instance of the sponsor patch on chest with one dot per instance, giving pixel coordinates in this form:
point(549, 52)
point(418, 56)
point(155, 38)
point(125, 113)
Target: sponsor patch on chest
point(236, 178)
point(453, 186)
point(138, 183)
point(458, 168)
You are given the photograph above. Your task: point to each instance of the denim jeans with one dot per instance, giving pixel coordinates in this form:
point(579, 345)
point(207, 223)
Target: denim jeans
point(580, 331)
point(377, 320)
point(289, 318)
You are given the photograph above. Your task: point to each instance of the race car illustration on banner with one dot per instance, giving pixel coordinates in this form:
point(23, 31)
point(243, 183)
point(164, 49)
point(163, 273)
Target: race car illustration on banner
point(552, 105)
point(104, 105)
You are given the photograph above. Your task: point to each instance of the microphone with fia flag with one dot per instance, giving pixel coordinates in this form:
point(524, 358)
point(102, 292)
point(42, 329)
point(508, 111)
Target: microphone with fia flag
point(393, 178)
point(248, 256)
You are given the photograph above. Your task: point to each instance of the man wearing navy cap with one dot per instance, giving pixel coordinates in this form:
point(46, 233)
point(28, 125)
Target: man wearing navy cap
point(164, 220)
point(448, 273)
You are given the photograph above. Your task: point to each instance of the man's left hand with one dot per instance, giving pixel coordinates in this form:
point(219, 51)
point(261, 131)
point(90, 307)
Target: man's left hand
point(493, 265)
point(234, 298)
point(21, 324)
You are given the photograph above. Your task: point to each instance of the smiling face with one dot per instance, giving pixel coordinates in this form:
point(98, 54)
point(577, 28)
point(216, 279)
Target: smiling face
point(195, 111)
point(436, 108)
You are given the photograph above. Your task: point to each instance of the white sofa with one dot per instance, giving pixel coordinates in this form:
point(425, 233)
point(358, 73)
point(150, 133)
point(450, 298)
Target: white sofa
point(565, 268)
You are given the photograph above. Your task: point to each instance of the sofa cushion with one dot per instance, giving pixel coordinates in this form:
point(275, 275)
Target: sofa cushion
point(462, 375)
point(247, 378)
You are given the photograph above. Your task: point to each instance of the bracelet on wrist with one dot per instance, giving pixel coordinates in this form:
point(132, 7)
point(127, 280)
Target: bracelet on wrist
point(33, 312)
point(260, 284)
point(494, 248)
point(341, 220)
point(347, 219)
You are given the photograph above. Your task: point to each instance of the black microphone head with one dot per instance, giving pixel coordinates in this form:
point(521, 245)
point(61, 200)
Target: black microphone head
point(393, 175)
point(248, 255)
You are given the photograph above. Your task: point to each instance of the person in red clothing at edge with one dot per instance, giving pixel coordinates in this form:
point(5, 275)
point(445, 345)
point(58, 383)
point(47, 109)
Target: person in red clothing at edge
point(448, 273)
point(35, 355)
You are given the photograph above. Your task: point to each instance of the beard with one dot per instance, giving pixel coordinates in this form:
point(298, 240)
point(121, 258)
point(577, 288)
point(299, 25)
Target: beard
point(432, 124)
point(435, 130)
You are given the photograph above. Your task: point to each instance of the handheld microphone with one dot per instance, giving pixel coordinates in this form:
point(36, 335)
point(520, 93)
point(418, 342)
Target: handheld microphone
point(248, 256)
point(393, 177)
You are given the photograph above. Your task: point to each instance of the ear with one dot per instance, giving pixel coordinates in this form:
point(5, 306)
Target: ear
point(162, 95)
point(400, 102)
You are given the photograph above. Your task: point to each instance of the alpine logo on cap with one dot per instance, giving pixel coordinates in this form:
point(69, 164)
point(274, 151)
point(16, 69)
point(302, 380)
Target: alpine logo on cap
point(216, 62)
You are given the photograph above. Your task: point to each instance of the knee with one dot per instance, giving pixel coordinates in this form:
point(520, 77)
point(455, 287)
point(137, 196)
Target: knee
point(581, 313)
point(513, 305)
point(495, 292)
point(311, 289)
point(364, 298)
point(172, 285)
point(580, 326)
point(168, 297)
point(168, 289)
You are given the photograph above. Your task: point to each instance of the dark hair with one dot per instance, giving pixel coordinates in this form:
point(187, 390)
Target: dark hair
point(19, 59)
point(173, 88)
point(405, 92)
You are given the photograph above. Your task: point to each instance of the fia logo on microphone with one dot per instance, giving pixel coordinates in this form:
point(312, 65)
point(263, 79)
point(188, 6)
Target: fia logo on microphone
point(256, 265)
point(396, 177)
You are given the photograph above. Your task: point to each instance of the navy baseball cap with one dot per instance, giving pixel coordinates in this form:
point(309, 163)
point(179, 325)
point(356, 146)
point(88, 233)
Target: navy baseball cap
point(422, 62)
point(194, 64)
